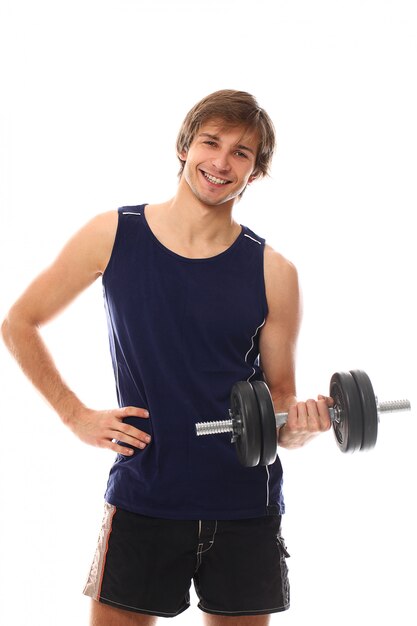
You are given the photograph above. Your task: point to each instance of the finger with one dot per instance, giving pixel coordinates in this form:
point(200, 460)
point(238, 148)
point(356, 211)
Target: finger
point(113, 445)
point(312, 410)
point(132, 431)
point(312, 415)
point(302, 413)
point(136, 438)
point(323, 413)
point(131, 411)
point(292, 417)
point(330, 401)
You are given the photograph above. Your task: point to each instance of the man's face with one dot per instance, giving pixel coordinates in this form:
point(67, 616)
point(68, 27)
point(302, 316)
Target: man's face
point(220, 162)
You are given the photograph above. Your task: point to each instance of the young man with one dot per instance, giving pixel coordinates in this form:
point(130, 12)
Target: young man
point(195, 302)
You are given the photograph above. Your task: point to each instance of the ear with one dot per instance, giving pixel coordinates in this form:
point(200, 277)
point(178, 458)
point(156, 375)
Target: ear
point(253, 177)
point(183, 154)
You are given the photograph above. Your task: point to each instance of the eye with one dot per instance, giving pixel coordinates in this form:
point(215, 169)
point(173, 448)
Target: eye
point(241, 154)
point(209, 142)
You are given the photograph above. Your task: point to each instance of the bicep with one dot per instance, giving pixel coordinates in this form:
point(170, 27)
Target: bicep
point(280, 333)
point(80, 262)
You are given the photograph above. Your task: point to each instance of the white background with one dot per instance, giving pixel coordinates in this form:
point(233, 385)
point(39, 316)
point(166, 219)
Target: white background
point(93, 93)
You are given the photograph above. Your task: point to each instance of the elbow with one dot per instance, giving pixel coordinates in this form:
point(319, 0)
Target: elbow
point(8, 332)
point(5, 331)
point(12, 327)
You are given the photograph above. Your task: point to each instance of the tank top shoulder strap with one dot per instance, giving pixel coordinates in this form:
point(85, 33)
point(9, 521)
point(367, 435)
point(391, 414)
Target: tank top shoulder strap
point(131, 210)
point(251, 236)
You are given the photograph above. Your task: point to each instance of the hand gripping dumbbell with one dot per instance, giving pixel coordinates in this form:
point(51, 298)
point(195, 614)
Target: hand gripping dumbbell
point(253, 421)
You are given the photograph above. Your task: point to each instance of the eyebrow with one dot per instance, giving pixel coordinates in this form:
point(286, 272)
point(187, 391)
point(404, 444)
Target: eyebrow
point(216, 138)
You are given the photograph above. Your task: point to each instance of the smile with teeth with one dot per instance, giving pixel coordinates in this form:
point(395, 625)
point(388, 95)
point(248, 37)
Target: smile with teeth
point(214, 179)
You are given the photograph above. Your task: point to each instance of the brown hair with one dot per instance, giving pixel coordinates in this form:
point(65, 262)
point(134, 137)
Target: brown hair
point(234, 108)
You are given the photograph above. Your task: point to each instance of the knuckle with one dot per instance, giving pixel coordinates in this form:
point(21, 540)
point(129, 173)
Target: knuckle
point(132, 432)
point(107, 422)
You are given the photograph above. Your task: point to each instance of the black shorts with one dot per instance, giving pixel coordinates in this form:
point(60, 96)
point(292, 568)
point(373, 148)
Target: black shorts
point(146, 565)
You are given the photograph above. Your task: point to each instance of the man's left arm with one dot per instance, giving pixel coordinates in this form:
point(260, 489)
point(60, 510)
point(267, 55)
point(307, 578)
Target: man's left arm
point(278, 343)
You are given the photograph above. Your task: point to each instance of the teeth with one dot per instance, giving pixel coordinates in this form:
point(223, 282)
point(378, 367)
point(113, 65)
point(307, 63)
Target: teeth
point(213, 179)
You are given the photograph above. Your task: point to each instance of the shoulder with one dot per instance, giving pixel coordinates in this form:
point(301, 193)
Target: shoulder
point(101, 225)
point(93, 242)
point(104, 222)
point(101, 229)
point(278, 267)
point(281, 280)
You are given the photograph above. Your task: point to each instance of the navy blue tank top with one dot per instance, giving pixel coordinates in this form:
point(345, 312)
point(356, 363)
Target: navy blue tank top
point(182, 332)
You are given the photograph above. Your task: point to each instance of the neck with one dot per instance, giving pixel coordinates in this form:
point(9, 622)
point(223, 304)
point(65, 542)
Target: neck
point(191, 228)
point(194, 219)
point(199, 219)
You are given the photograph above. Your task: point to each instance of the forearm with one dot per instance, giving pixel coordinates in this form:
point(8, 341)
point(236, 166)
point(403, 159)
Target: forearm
point(24, 341)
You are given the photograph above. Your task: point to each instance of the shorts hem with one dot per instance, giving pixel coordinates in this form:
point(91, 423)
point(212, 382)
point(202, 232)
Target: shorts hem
point(242, 613)
point(132, 609)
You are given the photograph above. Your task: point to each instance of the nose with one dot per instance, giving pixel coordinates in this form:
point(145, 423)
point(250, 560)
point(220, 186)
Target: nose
point(221, 161)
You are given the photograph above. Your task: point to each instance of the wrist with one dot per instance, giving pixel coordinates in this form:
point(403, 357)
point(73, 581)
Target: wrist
point(292, 439)
point(69, 407)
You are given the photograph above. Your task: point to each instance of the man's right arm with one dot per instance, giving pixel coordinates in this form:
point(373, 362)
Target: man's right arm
point(82, 260)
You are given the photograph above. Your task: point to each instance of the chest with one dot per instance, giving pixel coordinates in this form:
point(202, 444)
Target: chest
point(204, 310)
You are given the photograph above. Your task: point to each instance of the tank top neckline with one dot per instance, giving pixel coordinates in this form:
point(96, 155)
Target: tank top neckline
point(190, 259)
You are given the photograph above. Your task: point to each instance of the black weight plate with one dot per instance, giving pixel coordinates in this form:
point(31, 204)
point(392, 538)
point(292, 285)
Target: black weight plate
point(244, 407)
point(369, 409)
point(349, 430)
point(268, 424)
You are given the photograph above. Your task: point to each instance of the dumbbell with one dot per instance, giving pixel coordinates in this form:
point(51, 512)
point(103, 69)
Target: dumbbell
point(253, 421)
